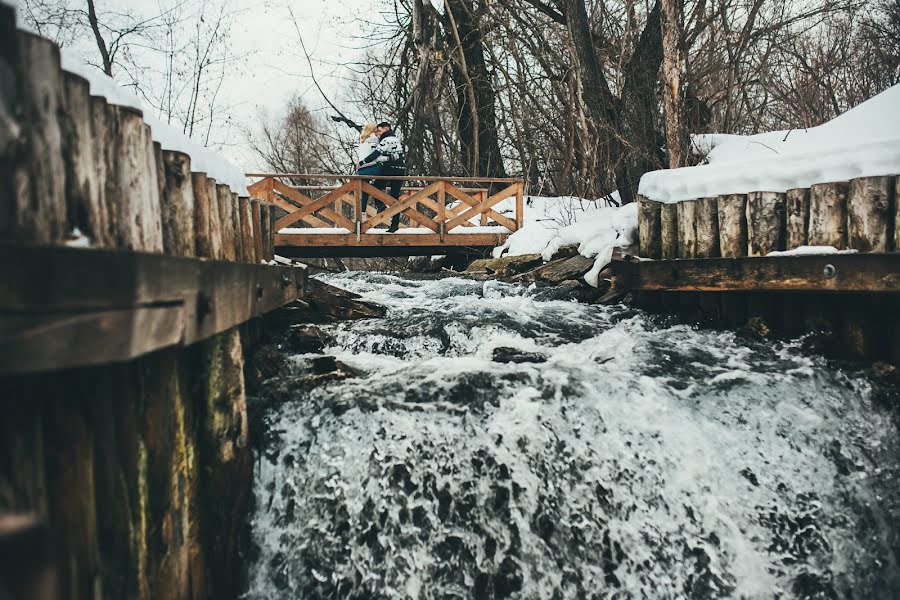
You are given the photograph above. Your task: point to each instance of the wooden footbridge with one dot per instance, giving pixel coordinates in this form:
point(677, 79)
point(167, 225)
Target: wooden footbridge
point(323, 217)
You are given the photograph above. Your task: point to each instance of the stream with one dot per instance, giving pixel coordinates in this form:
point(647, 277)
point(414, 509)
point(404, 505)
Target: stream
point(624, 456)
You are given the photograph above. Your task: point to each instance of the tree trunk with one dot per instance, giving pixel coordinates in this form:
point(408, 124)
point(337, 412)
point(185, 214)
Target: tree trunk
point(673, 102)
point(868, 213)
point(732, 225)
point(477, 101)
point(828, 215)
point(765, 223)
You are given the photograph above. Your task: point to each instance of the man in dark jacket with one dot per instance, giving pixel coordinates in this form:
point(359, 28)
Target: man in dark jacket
point(390, 157)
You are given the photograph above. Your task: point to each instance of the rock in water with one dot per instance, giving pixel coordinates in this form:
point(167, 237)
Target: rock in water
point(504, 354)
point(328, 303)
point(305, 340)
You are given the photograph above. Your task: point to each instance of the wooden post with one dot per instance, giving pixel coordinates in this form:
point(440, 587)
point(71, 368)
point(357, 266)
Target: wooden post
point(649, 228)
point(139, 219)
point(687, 229)
point(202, 200)
point(236, 225)
point(707, 228)
point(226, 220)
point(265, 221)
point(896, 245)
point(10, 101)
point(256, 220)
point(668, 220)
point(828, 215)
point(765, 223)
point(178, 205)
point(797, 209)
point(247, 245)
point(104, 141)
point(215, 220)
point(732, 212)
point(82, 187)
point(483, 218)
point(520, 205)
point(39, 202)
point(869, 213)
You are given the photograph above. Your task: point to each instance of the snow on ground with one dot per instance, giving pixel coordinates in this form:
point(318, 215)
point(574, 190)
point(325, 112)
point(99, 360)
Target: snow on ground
point(863, 142)
point(203, 160)
point(810, 250)
point(596, 230)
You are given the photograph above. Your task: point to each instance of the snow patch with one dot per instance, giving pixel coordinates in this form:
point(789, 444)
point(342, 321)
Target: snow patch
point(863, 142)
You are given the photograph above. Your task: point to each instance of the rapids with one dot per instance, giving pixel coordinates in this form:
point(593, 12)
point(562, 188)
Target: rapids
point(641, 459)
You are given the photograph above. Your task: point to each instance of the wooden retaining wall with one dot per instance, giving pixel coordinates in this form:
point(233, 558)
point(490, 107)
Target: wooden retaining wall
point(852, 299)
point(133, 474)
point(862, 214)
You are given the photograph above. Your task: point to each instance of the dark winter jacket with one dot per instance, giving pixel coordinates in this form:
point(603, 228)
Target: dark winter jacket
point(389, 154)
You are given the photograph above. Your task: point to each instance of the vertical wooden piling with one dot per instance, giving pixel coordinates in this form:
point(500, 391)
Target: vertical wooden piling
point(765, 223)
point(256, 220)
point(236, 225)
point(178, 205)
point(248, 247)
point(732, 213)
point(215, 222)
point(39, 201)
point(869, 213)
point(82, 195)
point(669, 231)
point(707, 228)
point(687, 229)
point(223, 196)
point(10, 100)
point(103, 141)
point(649, 228)
point(202, 200)
point(828, 215)
point(797, 216)
point(265, 211)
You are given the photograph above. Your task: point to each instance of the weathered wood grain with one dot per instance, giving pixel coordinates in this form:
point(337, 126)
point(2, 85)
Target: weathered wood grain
point(765, 223)
point(797, 211)
point(178, 205)
point(649, 228)
point(828, 215)
point(732, 213)
point(869, 214)
point(669, 231)
point(707, 228)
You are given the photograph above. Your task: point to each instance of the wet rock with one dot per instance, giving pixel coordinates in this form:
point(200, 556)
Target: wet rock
point(305, 340)
point(328, 304)
point(506, 266)
point(266, 361)
point(562, 269)
point(505, 354)
point(328, 364)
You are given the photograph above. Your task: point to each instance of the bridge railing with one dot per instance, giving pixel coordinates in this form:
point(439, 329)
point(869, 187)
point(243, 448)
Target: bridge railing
point(441, 204)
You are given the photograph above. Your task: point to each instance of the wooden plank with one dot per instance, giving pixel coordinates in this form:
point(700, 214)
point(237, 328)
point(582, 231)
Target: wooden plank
point(111, 305)
point(330, 240)
point(428, 178)
point(872, 273)
point(313, 206)
point(32, 343)
point(520, 205)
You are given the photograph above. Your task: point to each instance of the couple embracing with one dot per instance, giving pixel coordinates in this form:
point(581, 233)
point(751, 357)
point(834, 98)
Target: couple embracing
point(381, 154)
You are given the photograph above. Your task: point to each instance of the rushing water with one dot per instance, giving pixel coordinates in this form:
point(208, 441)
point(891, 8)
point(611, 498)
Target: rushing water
point(642, 459)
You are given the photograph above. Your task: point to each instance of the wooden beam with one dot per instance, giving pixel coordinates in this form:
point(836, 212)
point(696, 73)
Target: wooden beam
point(470, 201)
point(399, 207)
point(428, 178)
point(313, 206)
point(108, 305)
point(331, 240)
point(872, 273)
point(390, 201)
point(482, 206)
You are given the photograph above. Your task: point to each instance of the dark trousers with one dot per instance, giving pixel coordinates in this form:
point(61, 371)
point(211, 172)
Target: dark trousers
point(394, 185)
point(373, 170)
